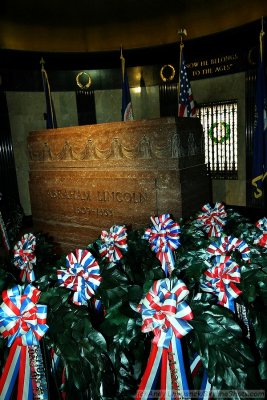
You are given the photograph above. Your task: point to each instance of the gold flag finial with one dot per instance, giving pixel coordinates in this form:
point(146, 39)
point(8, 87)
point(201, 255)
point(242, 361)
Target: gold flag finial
point(42, 62)
point(182, 33)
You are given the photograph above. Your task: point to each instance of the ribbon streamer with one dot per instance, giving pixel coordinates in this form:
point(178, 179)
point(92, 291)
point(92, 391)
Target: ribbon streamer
point(99, 307)
point(114, 243)
point(221, 280)
point(205, 388)
point(23, 323)
point(55, 362)
point(164, 237)
point(82, 276)
point(24, 257)
point(212, 219)
point(262, 224)
point(262, 239)
point(243, 316)
point(227, 244)
point(165, 313)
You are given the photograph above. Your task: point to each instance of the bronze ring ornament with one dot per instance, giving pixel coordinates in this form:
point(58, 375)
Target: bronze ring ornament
point(88, 80)
point(165, 78)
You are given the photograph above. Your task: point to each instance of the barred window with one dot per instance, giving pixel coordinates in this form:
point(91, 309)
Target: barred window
point(219, 121)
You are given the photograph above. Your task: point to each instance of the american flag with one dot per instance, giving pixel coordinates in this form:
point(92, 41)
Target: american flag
point(186, 104)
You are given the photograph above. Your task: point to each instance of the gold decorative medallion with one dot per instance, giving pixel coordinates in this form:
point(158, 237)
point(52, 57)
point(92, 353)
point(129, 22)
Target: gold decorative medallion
point(86, 77)
point(172, 73)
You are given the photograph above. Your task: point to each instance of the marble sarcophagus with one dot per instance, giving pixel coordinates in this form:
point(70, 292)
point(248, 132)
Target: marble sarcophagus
point(84, 179)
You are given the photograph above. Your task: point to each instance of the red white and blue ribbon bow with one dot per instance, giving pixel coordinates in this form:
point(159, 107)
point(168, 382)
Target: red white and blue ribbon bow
point(24, 257)
point(23, 323)
point(227, 244)
point(262, 239)
point(164, 237)
point(262, 224)
point(114, 243)
point(213, 219)
point(166, 314)
point(221, 280)
point(82, 276)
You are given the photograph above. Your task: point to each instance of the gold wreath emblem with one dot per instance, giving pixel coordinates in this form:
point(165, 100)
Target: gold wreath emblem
point(88, 78)
point(167, 78)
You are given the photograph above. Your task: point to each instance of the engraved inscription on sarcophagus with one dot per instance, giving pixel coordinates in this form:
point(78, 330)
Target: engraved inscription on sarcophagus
point(84, 179)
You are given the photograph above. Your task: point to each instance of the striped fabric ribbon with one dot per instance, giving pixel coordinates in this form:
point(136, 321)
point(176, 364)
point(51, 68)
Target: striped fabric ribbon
point(166, 314)
point(23, 323)
point(55, 361)
point(212, 219)
point(205, 390)
point(243, 316)
point(262, 224)
point(227, 244)
point(82, 276)
point(262, 239)
point(24, 257)
point(114, 243)
point(164, 237)
point(221, 279)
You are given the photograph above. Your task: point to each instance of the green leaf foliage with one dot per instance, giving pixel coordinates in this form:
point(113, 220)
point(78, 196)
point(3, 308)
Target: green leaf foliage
point(217, 338)
point(102, 353)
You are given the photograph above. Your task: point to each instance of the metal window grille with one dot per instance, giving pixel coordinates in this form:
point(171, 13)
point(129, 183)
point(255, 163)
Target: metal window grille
point(219, 121)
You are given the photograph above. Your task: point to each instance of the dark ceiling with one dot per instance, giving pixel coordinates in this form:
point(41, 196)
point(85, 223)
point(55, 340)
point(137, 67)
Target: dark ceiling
point(103, 25)
point(92, 12)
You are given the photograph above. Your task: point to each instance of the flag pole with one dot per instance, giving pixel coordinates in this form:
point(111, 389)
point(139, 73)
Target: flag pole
point(259, 164)
point(122, 64)
point(262, 33)
point(126, 106)
point(181, 33)
point(46, 83)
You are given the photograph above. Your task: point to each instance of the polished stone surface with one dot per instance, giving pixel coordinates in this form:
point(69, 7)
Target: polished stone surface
point(85, 179)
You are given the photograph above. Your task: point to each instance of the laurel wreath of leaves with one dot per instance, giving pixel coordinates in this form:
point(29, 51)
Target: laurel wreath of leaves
point(224, 138)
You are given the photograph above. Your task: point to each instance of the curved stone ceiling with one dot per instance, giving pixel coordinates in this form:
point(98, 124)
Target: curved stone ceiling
point(105, 25)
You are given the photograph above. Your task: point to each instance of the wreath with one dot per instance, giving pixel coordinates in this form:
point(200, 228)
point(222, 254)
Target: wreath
point(171, 73)
point(224, 126)
point(86, 77)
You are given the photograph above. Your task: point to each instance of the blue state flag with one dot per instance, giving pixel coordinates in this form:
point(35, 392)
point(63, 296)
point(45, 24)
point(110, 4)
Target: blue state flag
point(259, 168)
point(126, 105)
point(50, 115)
